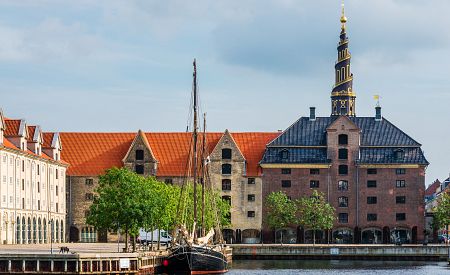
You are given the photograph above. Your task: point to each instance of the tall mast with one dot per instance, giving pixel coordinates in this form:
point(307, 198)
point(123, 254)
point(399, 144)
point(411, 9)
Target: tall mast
point(203, 174)
point(194, 136)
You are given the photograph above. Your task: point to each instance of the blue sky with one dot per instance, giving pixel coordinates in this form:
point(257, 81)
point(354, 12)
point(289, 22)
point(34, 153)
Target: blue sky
point(118, 66)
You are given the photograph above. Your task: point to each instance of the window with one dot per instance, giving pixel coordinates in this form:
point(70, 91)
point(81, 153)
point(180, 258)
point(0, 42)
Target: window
point(139, 169)
point(400, 199)
point(251, 197)
point(89, 196)
point(226, 169)
point(39, 205)
point(400, 183)
point(343, 169)
point(285, 171)
point(23, 203)
point(251, 214)
point(139, 154)
point(23, 184)
point(343, 139)
point(227, 199)
point(38, 170)
point(285, 183)
point(56, 174)
point(343, 154)
point(168, 181)
point(314, 171)
point(23, 166)
point(284, 154)
point(226, 184)
point(371, 171)
point(226, 153)
point(399, 154)
point(371, 200)
point(89, 182)
point(371, 183)
point(56, 190)
point(314, 184)
point(57, 209)
point(400, 216)
point(38, 187)
point(400, 171)
point(371, 217)
point(343, 201)
point(343, 217)
point(343, 185)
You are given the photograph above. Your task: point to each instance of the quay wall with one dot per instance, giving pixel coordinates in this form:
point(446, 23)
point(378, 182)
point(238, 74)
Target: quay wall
point(342, 252)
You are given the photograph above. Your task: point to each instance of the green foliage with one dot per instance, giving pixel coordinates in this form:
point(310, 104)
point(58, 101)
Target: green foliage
point(280, 210)
point(315, 212)
point(216, 209)
point(442, 211)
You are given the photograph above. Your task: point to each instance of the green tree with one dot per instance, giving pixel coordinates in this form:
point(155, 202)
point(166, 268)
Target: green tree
point(442, 211)
point(119, 203)
point(315, 213)
point(280, 210)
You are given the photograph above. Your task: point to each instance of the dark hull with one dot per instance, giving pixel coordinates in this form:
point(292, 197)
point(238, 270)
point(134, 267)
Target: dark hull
point(195, 260)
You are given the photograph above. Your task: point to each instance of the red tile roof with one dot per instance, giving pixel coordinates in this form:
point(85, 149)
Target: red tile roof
point(432, 188)
point(90, 154)
point(12, 127)
point(48, 138)
point(31, 130)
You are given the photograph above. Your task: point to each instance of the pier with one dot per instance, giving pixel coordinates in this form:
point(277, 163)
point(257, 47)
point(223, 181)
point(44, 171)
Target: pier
point(341, 252)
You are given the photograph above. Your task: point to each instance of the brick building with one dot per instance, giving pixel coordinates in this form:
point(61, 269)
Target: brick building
point(370, 171)
point(32, 184)
point(234, 170)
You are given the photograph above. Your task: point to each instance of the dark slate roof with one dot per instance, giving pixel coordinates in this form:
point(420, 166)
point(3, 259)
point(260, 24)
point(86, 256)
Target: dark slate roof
point(296, 155)
point(373, 133)
point(412, 155)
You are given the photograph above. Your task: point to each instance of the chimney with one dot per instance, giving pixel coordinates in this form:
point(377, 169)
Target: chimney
point(312, 113)
point(378, 113)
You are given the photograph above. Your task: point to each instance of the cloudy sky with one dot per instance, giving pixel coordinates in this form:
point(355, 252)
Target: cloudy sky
point(110, 65)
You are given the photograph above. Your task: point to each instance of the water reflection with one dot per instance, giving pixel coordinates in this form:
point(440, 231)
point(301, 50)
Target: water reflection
point(282, 267)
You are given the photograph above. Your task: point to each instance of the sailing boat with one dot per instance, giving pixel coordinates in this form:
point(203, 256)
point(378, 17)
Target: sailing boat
point(190, 253)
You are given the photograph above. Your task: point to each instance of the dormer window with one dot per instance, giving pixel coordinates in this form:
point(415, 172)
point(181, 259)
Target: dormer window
point(139, 154)
point(284, 154)
point(399, 154)
point(226, 153)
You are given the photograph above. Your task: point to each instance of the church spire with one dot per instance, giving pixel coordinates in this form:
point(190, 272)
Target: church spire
point(342, 96)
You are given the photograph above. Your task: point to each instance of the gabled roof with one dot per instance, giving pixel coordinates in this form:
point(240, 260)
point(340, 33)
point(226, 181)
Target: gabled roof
point(431, 190)
point(412, 155)
point(90, 154)
point(31, 130)
point(373, 133)
point(12, 127)
point(140, 135)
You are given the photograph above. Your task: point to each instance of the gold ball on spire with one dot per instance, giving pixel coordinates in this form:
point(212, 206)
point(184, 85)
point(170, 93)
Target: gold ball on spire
point(343, 19)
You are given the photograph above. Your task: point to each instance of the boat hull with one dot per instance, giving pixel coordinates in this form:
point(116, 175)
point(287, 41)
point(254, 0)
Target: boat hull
point(195, 260)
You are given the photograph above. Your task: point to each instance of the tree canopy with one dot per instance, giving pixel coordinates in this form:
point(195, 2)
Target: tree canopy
point(442, 211)
point(280, 210)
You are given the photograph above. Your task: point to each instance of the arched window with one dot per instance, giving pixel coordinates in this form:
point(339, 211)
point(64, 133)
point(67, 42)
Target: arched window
point(338, 76)
point(226, 184)
point(24, 230)
point(44, 223)
point(39, 230)
point(139, 154)
point(343, 153)
point(226, 169)
point(57, 231)
point(29, 229)
point(343, 139)
point(343, 201)
point(62, 232)
point(34, 231)
point(18, 230)
point(226, 153)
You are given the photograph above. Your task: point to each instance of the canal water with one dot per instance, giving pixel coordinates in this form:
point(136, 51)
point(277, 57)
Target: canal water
point(285, 267)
